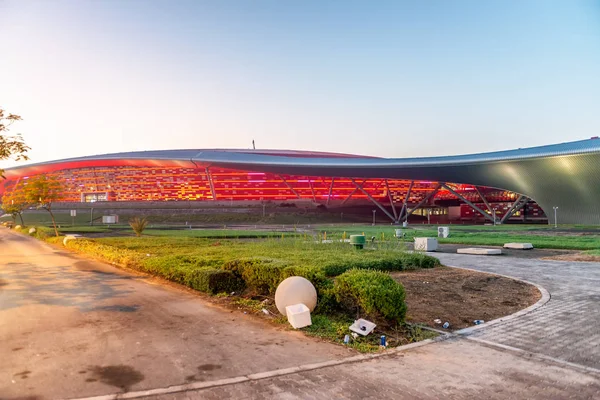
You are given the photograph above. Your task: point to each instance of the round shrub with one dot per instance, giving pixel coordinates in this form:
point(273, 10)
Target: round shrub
point(376, 293)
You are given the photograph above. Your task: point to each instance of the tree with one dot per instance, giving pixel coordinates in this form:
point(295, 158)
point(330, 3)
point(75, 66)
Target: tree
point(14, 202)
point(42, 191)
point(10, 146)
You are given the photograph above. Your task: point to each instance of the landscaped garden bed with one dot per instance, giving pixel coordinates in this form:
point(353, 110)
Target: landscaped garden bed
point(381, 283)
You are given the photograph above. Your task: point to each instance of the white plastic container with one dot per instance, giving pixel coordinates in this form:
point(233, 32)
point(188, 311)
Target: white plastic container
point(426, 244)
point(443, 231)
point(298, 315)
point(362, 327)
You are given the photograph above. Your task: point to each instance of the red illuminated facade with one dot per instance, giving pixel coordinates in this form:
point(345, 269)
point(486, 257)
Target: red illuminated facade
point(148, 180)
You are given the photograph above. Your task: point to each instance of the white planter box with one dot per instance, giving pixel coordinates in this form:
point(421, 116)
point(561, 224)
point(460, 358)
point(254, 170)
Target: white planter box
point(426, 244)
point(298, 315)
point(518, 246)
point(479, 251)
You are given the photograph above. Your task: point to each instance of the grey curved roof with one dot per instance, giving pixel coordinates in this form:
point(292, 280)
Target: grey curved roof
point(566, 175)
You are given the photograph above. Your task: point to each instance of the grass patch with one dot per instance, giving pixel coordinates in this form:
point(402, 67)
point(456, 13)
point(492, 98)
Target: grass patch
point(217, 233)
point(334, 328)
point(571, 237)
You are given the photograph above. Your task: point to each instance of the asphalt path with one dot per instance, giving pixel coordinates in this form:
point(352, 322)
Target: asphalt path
point(71, 327)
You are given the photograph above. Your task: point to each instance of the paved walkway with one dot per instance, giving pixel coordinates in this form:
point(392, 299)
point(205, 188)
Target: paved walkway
point(74, 328)
point(70, 327)
point(567, 327)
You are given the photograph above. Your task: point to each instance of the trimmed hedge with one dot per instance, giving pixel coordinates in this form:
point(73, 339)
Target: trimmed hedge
point(396, 262)
point(262, 274)
point(212, 281)
point(114, 255)
point(375, 292)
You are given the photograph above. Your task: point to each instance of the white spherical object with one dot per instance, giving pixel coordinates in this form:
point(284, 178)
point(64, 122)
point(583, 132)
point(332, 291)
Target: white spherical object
point(32, 231)
point(295, 290)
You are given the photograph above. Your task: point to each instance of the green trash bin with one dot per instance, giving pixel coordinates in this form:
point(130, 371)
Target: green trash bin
point(358, 241)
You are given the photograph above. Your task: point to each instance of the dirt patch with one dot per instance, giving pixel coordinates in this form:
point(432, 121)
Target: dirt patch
point(460, 296)
point(579, 257)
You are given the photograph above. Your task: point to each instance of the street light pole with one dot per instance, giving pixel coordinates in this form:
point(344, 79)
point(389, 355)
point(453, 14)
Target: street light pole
point(374, 211)
point(555, 221)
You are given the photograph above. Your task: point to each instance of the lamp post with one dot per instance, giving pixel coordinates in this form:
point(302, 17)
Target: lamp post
point(555, 222)
point(494, 215)
point(374, 211)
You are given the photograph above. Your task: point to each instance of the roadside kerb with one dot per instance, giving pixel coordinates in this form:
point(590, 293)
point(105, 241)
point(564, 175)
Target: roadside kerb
point(261, 375)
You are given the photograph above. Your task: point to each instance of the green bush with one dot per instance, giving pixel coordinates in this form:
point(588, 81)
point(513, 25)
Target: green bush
point(417, 260)
point(261, 274)
point(212, 281)
point(376, 293)
point(387, 262)
point(114, 255)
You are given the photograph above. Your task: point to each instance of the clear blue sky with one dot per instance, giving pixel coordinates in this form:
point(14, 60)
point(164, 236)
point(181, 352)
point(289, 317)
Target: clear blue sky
point(387, 78)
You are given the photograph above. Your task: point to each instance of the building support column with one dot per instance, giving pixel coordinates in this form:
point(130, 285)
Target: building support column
point(289, 186)
point(479, 210)
point(430, 195)
point(212, 185)
point(520, 203)
point(312, 190)
point(405, 203)
point(352, 193)
point(382, 208)
point(484, 199)
point(387, 187)
point(330, 190)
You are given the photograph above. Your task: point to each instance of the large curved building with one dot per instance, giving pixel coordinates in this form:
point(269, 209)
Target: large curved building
point(523, 184)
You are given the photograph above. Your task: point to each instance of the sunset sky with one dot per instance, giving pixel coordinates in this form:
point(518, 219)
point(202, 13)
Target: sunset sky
point(383, 78)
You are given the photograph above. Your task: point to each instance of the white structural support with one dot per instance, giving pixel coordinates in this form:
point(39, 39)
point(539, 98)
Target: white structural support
point(212, 185)
point(479, 210)
point(312, 190)
point(429, 196)
point(405, 203)
point(289, 186)
point(382, 208)
point(352, 192)
point(387, 187)
point(520, 203)
point(330, 191)
point(483, 199)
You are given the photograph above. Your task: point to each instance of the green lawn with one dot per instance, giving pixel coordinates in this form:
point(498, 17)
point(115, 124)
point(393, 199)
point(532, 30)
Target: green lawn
point(541, 236)
point(217, 233)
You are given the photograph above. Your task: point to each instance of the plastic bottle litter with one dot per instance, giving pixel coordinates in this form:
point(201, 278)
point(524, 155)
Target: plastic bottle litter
point(383, 341)
point(346, 339)
point(478, 321)
point(265, 311)
point(437, 321)
point(446, 325)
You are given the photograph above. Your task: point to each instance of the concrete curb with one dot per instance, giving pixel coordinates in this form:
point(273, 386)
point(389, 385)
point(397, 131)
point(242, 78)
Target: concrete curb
point(260, 375)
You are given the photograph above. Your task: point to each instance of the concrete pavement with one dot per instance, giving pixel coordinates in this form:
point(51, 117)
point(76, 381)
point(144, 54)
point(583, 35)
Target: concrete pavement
point(71, 328)
point(567, 327)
